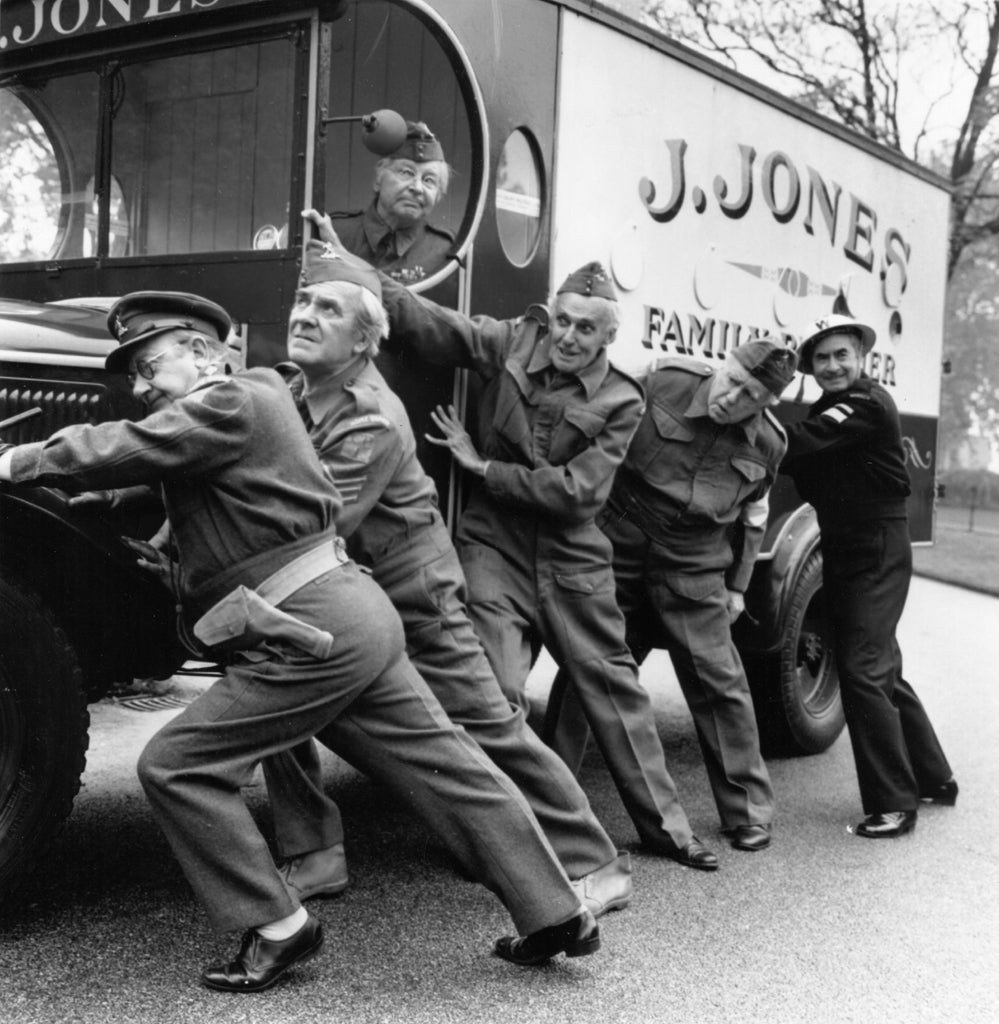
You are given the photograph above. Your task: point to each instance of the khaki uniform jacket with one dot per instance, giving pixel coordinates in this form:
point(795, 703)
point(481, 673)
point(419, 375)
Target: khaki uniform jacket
point(698, 489)
point(554, 441)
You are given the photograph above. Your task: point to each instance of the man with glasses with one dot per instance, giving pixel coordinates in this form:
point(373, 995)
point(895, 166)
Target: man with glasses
point(394, 233)
point(310, 644)
point(686, 517)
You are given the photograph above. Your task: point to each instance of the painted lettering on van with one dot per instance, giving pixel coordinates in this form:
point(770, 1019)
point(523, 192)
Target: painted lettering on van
point(845, 221)
point(673, 333)
point(42, 21)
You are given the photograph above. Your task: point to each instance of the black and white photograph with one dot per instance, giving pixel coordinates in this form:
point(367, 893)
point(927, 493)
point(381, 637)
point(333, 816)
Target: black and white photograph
point(499, 511)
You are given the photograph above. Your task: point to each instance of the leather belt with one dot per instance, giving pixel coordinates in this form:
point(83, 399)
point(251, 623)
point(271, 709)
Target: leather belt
point(315, 562)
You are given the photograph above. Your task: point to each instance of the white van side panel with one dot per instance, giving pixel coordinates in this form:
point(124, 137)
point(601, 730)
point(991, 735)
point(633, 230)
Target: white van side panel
point(823, 218)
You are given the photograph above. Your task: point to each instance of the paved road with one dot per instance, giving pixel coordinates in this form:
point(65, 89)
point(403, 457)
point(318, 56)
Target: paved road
point(823, 928)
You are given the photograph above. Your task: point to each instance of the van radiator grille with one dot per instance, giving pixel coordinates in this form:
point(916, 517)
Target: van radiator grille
point(62, 404)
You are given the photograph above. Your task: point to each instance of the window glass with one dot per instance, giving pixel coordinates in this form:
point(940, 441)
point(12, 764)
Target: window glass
point(518, 197)
point(48, 134)
point(202, 148)
point(384, 56)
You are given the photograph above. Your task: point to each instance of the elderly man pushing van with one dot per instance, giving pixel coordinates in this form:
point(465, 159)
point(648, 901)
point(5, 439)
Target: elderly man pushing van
point(555, 419)
point(391, 524)
point(311, 644)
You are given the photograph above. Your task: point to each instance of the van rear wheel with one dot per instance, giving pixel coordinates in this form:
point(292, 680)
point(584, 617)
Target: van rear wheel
point(43, 731)
point(796, 688)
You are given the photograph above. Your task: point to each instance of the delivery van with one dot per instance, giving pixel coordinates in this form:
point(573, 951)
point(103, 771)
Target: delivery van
point(172, 144)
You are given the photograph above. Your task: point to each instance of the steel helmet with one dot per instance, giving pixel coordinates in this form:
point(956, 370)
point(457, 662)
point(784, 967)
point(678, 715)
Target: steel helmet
point(833, 323)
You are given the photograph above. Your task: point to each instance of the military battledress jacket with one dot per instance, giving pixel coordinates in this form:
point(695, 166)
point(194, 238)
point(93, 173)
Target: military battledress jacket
point(696, 488)
point(554, 441)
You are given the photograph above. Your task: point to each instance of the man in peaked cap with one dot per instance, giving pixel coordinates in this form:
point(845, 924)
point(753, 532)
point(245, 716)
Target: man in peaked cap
point(309, 642)
point(391, 523)
point(394, 233)
point(846, 458)
point(554, 422)
point(686, 518)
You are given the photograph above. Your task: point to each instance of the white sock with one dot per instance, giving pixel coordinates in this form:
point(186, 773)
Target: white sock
point(278, 931)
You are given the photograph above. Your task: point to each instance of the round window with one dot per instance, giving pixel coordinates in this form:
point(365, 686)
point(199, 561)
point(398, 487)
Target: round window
point(519, 200)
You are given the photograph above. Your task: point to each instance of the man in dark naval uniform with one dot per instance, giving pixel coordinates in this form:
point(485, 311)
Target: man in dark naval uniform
point(392, 234)
point(846, 459)
point(686, 517)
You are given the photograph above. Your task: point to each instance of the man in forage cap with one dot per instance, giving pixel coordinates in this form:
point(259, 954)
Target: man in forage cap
point(686, 517)
point(309, 642)
point(554, 421)
point(391, 523)
point(394, 233)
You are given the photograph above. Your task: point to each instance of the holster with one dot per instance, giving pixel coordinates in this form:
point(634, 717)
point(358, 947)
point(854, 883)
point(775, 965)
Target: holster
point(243, 620)
point(247, 618)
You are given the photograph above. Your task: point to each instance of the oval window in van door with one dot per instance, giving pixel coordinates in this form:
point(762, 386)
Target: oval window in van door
point(519, 197)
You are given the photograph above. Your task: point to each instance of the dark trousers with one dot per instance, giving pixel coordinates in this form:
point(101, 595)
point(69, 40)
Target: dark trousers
point(866, 580)
point(368, 702)
point(424, 581)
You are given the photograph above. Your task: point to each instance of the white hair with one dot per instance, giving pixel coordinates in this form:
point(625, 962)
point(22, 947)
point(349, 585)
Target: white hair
point(372, 320)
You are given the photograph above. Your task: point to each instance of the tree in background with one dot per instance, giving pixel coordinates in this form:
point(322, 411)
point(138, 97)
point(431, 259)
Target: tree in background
point(844, 59)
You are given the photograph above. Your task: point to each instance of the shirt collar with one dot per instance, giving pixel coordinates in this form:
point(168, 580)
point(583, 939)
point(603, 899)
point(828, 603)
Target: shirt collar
point(375, 230)
point(321, 396)
point(699, 407)
point(590, 378)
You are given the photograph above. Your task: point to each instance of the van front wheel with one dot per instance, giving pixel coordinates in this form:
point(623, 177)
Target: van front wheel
point(43, 731)
point(796, 688)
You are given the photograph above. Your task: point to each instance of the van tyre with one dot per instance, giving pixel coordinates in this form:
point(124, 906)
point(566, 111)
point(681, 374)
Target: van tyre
point(796, 688)
point(43, 731)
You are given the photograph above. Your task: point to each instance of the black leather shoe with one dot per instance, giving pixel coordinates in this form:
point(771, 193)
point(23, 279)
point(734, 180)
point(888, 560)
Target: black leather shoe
point(945, 794)
point(579, 936)
point(885, 826)
point(259, 962)
point(750, 837)
point(694, 855)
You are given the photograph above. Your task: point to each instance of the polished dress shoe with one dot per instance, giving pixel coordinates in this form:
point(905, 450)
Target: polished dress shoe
point(260, 962)
point(694, 855)
point(750, 837)
point(320, 873)
point(885, 826)
point(579, 936)
point(608, 888)
point(945, 794)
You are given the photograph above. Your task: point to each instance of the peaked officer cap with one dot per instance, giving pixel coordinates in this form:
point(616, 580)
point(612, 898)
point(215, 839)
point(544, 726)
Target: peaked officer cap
point(323, 261)
point(834, 323)
point(420, 144)
point(591, 279)
point(771, 363)
point(139, 316)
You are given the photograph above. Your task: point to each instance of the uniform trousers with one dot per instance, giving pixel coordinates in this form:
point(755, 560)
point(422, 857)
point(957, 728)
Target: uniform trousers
point(865, 577)
point(368, 701)
point(688, 615)
point(520, 599)
point(423, 578)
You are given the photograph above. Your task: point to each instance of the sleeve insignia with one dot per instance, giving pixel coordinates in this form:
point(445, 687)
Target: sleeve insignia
point(838, 413)
point(358, 446)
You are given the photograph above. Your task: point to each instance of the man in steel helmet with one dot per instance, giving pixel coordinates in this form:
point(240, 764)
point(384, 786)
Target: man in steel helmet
point(846, 459)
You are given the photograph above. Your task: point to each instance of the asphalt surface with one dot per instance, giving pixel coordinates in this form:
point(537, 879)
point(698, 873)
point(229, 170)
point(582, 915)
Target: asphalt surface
point(823, 928)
